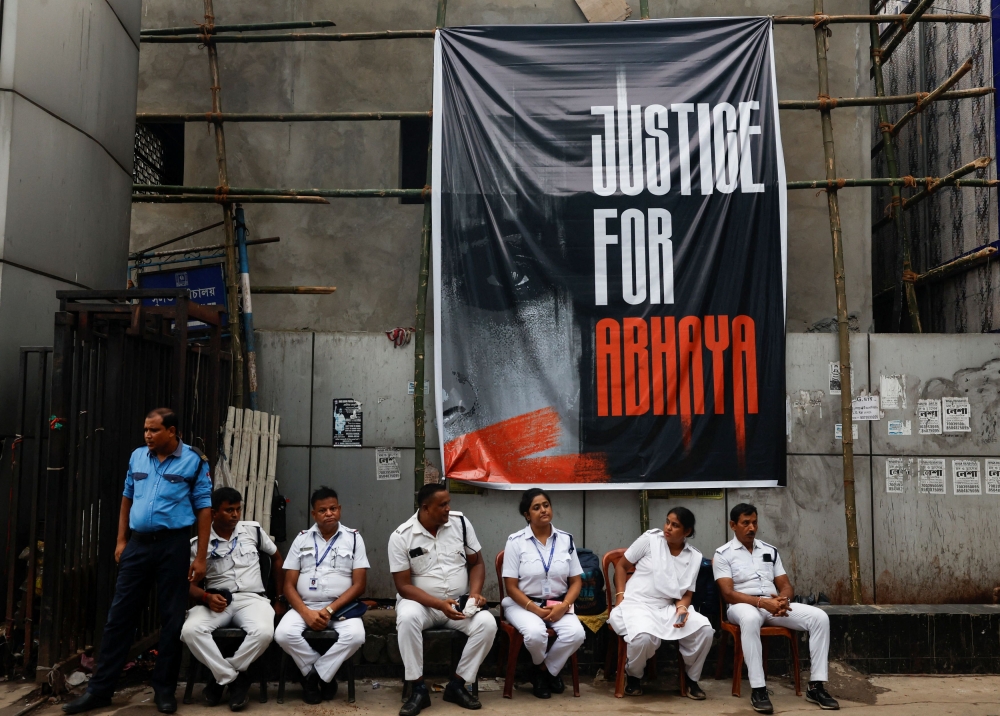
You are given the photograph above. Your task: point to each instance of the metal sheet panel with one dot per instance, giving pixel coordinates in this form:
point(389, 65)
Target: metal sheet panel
point(284, 376)
point(292, 470)
point(711, 524)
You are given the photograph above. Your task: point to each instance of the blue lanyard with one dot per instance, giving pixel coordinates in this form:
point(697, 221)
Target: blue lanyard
point(215, 549)
point(552, 552)
point(329, 546)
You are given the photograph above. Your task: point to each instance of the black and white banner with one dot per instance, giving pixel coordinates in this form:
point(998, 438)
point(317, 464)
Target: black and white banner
point(609, 250)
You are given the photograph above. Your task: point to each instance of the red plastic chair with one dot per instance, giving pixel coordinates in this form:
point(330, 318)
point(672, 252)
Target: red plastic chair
point(610, 558)
point(515, 641)
point(765, 631)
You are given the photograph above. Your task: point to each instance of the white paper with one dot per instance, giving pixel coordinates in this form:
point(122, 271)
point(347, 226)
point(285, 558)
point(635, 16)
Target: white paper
point(929, 415)
point(838, 431)
point(865, 407)
point(895, 473)
point(965, 477)
point(899, 427)
point(930, 476)
point(892, 392)
point(387, 463)
point(957, 415)
point(834, 377)
point(992, 476)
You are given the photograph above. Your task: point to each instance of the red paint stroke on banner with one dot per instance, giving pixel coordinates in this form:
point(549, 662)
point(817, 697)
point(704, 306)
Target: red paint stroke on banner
point(502, 453)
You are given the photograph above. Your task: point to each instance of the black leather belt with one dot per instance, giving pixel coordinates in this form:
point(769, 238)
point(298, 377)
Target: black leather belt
point(160, 535)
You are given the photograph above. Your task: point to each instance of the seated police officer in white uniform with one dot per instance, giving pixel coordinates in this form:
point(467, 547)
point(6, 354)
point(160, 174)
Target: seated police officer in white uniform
point(655, 604)
point(325, 572)
point(541, 590)
point(437, 565)
point(754, 584)
point(233, 596)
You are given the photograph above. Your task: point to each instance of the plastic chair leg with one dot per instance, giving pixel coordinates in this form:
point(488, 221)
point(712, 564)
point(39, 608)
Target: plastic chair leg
point(513, 649)
point(350, 680)
point(574, 664)
point(720, 655)
point(192, 676)
point(281, 677)
point(620, 672)
point(795, 664)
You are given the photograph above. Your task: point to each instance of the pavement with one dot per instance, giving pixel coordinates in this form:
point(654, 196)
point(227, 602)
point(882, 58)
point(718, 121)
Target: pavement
point(859, 695)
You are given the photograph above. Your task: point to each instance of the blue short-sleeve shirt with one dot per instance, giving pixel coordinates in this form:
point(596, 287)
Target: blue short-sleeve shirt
point(166, 494)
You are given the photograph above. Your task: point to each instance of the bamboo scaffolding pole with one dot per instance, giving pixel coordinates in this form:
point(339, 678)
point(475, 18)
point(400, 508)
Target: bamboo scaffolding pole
point(200, 29)
point(278, 117)
point(226, 199)
point(215, 247)
point(229, 192)
point(843, 334)
point(643, 9)
point(932, 187)
point(947, 270)
point(922, 97)
point(885, 181)
point(209, 39)
point(293, 289)
point(420, 323)
point(903, 30)
point(820, 19)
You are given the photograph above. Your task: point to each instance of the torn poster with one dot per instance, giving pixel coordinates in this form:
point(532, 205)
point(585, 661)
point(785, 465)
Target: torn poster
point(838, 432)
point(891, 392)
point(865, 407)
point(899, 427)
point(834, 378)
point(609, 230)
point(929, 414)
point(965, 477)
point(896, 471)
point(347, 423)
point(992, 476)
point(957, 415)
point(387, 463)
point(930, 476)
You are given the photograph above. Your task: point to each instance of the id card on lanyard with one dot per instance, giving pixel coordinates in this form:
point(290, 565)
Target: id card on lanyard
point(546, 586)
point(313, 582)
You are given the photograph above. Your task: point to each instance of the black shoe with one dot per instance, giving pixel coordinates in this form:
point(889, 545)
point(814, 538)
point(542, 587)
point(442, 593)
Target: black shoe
point(633, 686)
point(811, 600)
point(239, 691)
point(212, 693)
point(556, 685)
point(822, 599)
point(694, 691)
point(311, 692)
point(817, 694)
point(166, 703)
point(85, 703)
point(456, 693)
point(329, 690)
point(760, 701)
point(419, 699)
point(540, 683)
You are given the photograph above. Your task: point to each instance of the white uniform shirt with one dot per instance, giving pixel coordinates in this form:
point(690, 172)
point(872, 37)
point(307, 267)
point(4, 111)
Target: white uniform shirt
point(752, 574)
point(437, 564)
point(337, 559)
point(523, 558)
point(233, 563)
point(644, 586)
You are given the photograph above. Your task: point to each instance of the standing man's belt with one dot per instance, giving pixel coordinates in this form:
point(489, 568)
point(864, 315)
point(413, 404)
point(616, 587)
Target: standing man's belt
point(160, 535)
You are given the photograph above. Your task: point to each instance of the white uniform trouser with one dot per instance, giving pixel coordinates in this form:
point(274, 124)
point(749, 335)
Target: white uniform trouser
point(569, 636)
point(249, 612)
point(801, 618)
point(694, 648)
point(411, 620)
point(350, 638)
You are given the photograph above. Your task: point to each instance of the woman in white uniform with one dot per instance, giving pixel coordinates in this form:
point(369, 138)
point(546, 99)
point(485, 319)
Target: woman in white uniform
point(655, 604)
point(541, 575)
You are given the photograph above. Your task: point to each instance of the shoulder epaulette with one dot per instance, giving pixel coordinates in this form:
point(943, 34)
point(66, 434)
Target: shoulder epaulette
point(653, 531)
point(513, 536)
point(198, 452)
point(193, 540)
point(723, 548)
point(771, 546)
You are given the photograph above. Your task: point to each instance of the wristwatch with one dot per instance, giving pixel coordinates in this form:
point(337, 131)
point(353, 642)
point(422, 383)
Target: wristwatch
point(328, 610)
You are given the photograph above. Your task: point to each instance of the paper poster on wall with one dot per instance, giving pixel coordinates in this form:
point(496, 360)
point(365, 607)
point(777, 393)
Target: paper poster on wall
point(930, 476)
point(929, 414)
point(896, 471)
point(899, 427)
point(838, 432)
point(387, 463)
point(834, 377)
point(992, 476)
point(965, 477)
point(892, 392)
point(347, 424)
point(865, 407)
point(957, 415)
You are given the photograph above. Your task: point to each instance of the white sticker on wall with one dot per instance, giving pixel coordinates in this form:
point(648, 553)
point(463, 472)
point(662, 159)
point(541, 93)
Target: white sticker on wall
point(965, 477)
point(930, 476)
point(896, 471)
point(834, 376)
point(957, 415)
point(899, 427)
point(891, 391)
point(992, 476)
point(838, 432)
point(865, 407)
point(929, 416)
point(387, 463)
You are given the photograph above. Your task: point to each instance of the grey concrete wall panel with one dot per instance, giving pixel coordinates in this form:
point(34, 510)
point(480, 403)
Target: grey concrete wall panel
point(284, 377)
point(934, 366)
point(805, 521)
point(711, 523)
point(292, 470)
point(611, 520)
point(933, 549)
point(129, 13)
point(814, 412)
point(367, 367)
point(76, 59)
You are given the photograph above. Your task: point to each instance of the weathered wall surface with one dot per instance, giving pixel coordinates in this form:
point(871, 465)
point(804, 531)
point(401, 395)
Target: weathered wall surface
point(68, 73)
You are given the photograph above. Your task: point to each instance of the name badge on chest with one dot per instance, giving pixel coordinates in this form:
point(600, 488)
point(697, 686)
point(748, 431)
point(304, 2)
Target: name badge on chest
point(546, 587)
point(313, 584)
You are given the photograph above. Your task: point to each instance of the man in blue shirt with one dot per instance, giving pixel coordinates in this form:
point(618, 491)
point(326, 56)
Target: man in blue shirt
point(167, 489)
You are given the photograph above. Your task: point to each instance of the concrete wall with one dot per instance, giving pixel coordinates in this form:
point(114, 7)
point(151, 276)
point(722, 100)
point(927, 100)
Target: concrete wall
point(68, 72)
point(915, 548)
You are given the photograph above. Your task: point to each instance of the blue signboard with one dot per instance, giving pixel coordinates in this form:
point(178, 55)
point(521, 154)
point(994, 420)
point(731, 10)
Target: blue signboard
point(207, 285)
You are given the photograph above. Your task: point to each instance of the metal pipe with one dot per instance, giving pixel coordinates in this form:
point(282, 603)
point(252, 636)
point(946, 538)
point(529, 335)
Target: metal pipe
point(293, 289)
point(13, 509)
point(196, 29)
point(819, 20)
point(210, 40)
point(225, 200)
point(843, 334)
point(177, 238)
point(214, 247)
point(279, 116)
point(241, 239)
point(921, 97)
point(247, 191)
point(41, 428)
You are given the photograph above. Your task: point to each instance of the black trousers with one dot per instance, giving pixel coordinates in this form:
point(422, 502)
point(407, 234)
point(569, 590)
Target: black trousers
point(163, 563)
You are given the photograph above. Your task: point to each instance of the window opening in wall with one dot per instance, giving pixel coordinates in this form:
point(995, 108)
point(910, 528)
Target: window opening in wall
point(159, 154)
point(414, 135)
